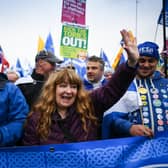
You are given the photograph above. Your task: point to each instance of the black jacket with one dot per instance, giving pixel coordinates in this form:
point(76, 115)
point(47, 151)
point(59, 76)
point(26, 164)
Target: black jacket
point(31, 88)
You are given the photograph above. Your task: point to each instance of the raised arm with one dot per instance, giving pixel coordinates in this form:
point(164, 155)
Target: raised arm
point(130, 45)
point(106, 96)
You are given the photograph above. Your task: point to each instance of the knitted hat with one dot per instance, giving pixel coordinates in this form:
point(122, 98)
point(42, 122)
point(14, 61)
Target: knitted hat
point(149, 49)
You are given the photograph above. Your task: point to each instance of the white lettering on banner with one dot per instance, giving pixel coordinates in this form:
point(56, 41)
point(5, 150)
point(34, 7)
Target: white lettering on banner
point(74, 42)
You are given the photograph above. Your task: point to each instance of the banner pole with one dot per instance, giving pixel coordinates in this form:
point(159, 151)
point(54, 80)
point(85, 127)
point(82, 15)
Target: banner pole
point(164, 36)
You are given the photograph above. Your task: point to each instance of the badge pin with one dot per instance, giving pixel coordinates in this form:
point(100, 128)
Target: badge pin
point(165, 104)
point(159, 116)
point(158, 110)
point(160, 122)
point(143, 97)
point(142, 90)
point(165, 96)
point(163, 91)
point(145, 120)
point(145, 114)
point(145, 108)
point(160, 128)
point(157, 103)
point(155, 96)
point(154, 90)
point(144, 103)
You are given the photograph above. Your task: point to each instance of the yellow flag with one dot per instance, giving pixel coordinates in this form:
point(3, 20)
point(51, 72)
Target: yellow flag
point(40, 44)
point(117, 58)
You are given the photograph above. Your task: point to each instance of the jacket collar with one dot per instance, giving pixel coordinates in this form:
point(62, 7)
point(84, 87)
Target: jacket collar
point(37, 76)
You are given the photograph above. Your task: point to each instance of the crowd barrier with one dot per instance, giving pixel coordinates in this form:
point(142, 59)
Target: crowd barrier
point(115, 153)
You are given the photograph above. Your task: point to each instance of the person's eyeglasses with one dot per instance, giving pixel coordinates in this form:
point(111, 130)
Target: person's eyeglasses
point(71, 67)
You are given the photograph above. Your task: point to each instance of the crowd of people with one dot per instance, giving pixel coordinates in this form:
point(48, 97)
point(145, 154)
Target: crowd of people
point(54, 105)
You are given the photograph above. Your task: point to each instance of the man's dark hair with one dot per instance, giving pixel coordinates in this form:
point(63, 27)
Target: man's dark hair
point(94, 58)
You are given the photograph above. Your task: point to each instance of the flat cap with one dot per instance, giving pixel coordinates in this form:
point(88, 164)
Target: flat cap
point(47, 56)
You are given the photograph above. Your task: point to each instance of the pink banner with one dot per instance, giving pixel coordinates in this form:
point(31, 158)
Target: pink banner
point(73, 11)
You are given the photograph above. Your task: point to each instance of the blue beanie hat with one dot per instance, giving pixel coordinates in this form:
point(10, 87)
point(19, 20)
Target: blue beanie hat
point(149, 49)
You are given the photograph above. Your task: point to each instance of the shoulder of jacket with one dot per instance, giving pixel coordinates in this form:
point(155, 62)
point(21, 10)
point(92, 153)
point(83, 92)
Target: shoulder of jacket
point(24, 80)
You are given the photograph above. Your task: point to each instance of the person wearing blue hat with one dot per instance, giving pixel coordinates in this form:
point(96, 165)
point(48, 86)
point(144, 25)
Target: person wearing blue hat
point(149, 49)
point(149, 57)
point(146, 114)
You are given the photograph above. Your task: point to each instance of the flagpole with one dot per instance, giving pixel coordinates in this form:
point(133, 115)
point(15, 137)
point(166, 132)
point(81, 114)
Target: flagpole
point(164, 36)
point(156, 32)
point(136, 20)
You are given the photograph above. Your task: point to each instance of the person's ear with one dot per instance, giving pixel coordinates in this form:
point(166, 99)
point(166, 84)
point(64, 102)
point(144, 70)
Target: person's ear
point(40, 61)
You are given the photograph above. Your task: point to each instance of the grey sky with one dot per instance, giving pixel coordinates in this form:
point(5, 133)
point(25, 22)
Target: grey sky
point(23, 21)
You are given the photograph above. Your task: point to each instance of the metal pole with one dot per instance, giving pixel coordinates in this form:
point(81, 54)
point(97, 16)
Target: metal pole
point(136, 21)
point(164, 36)
point(156, 32)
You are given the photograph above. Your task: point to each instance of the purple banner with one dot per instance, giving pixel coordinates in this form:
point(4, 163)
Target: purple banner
point(73, 11)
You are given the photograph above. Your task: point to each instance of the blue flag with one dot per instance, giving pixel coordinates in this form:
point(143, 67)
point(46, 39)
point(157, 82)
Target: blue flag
point(160, 20)
point(19, 68)
point(80, 65)
point(105, 58)
point(49, 46)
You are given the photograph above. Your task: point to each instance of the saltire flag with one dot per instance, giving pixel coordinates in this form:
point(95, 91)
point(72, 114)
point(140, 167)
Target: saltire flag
point(129, 102)
point(49, 46)
point(4, 63)
point(19, 68)
point(29, 69)
point(105, 58)
point(79, 64)
point(160, 19)
point(40, 44)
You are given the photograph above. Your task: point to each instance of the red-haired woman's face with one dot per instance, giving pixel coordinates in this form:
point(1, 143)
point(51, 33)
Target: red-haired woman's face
point(65, 95)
